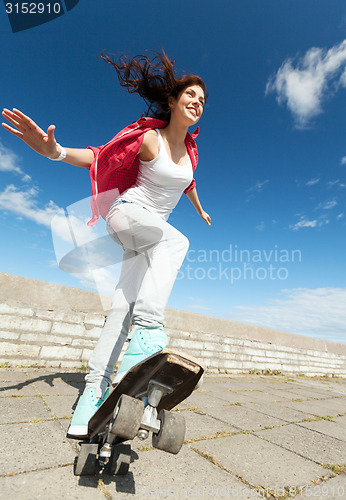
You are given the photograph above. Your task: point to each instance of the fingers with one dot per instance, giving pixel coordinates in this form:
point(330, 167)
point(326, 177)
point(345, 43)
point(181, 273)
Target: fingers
point(12, 130)
point(38, 140)
point(20, 120)
point(25, 119)
point(207, 218)
point(25, 124)
point(13, 120)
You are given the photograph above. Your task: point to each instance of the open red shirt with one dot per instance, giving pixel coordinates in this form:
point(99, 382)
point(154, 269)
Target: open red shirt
point(115, 166)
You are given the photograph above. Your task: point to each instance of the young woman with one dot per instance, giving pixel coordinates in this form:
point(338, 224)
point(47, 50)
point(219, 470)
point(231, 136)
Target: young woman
point(137, 179)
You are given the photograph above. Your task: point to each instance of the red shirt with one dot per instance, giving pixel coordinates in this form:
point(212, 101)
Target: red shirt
point(115, 166)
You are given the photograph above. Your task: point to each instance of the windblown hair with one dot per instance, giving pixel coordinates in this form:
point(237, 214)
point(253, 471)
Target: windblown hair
point(154, 80)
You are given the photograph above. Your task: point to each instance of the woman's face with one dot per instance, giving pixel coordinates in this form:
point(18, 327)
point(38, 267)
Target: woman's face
point(187, 108)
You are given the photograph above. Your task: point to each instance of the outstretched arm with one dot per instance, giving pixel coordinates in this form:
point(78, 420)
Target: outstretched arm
point(44, 143)
point(193, 197)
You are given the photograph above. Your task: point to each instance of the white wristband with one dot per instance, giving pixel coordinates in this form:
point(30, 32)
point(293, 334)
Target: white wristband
point(62, 155)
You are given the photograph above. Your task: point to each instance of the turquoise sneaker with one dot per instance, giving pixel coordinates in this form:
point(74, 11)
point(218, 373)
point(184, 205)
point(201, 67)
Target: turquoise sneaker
point(87, 405)
point(145, 342)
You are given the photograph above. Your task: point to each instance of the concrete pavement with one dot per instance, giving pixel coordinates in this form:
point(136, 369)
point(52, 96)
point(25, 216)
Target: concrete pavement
point(248, 436)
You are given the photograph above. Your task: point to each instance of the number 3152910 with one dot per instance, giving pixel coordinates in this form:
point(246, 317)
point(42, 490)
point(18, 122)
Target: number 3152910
point(33, 8)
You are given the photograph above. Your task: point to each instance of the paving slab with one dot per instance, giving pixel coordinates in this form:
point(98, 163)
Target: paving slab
point(60, 406)
point(32, 446)
point(335, 384)
point(260, 462)
point(308, 443)
point(187, 475)
point(234, 397)
point(304, 395)
point(266, 396)
point(273, 395)
point(8, 389)
point(328, 428)
point(13, 375)
point(52, 484)
point(23, 410)
point(16, 377)
point(198, 425)
point(242, 417)
point(241, 384)
point(341, 420)
point(333, 488)
point(64, 424)
point(205, 399)
point(312, 392)
point(323, 408)
point(59, 387)
point(279, 411)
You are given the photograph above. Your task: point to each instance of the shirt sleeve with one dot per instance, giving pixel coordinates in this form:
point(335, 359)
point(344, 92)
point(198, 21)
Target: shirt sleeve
point(94, 149)
point(190, 186)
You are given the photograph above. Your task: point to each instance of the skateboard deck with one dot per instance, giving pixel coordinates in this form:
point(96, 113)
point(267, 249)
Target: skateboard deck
point(179, 372)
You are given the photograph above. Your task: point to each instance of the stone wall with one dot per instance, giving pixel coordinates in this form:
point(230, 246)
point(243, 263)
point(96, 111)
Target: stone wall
point(53, 325)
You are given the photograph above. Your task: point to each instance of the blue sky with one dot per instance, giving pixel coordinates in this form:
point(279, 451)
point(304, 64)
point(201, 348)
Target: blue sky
point(272, 170)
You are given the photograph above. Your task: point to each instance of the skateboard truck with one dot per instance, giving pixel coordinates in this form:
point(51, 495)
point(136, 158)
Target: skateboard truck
point(151, 398)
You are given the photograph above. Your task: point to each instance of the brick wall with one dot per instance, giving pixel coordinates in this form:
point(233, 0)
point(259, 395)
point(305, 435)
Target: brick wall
point(53, 325)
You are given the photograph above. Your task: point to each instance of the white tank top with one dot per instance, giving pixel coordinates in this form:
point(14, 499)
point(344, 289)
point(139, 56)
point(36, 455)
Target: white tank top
point(160, 183)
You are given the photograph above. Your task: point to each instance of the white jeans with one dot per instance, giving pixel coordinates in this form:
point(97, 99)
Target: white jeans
point(153, 253)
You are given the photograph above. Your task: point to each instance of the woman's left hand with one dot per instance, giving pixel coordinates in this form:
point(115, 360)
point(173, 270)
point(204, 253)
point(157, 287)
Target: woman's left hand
point(206, 217)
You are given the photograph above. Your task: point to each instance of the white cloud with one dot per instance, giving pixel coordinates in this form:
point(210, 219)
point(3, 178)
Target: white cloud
point(9, 162)
point(258, 187)
point(304, 222)
point(333, 183)
point(319, 312)
point(318, 221)
point(327, 205)
point(305, 83)
point(336, 183)
point(343, 160)
point(24, 203)
point(312, 182)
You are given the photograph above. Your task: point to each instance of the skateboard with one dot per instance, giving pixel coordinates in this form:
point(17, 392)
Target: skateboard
point(138, 406)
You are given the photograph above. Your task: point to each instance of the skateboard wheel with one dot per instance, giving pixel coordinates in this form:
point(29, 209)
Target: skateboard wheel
point(120, 461)
point(171, 435)
point(127, 417)
point(86, 461)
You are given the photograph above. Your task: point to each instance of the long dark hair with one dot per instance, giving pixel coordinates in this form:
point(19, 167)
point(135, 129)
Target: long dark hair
point(154, 80)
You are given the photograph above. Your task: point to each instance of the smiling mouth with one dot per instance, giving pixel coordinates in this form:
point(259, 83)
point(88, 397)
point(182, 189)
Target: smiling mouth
point(193, 110)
